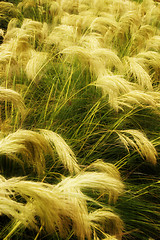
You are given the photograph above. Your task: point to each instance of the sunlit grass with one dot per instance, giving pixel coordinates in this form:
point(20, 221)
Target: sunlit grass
point(79, 107)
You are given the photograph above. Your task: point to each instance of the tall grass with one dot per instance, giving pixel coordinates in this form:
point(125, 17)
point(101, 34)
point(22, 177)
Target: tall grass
point(79, 119)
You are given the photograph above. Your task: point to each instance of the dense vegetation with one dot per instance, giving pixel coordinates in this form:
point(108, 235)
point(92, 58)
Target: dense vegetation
point(80, 119)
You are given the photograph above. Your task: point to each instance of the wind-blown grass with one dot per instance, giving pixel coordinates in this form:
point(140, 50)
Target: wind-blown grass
point(67, 204)
point(79, 107)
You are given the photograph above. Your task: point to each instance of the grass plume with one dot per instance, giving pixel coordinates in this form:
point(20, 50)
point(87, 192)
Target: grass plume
point(88, 71)
point(140, 143)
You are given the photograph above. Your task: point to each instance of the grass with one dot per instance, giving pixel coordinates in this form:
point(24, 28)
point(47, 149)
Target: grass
point(79, 119)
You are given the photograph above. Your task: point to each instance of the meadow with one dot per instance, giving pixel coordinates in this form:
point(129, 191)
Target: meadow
point(80, 120)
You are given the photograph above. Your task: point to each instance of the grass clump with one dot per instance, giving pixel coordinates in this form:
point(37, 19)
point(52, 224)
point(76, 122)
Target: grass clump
point(79, 108)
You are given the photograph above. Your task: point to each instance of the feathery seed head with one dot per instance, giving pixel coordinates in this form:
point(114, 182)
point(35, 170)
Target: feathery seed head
point(133, 66)
point(102, 24)
point(34, 67)
point(66, 155)
point(153, 44)
point(100, 181)
point(113, 86)
point(107, 221)
point(150, 59)
point(109, 58)
point(15, 98)
point(61, 212)
point(35, 29)
point(102, 166)
point(30, 145)
point(139, 142)
point(138, 98)
point(34, 146)
point(67, 206)
point(87, 58)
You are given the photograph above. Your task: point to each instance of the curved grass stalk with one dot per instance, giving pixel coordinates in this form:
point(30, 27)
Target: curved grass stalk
point(13, 97)
point(100, 216)
point(138, 98)
point(153, 43)
point(150, 59)
point(30, 145)
point(33, 147)
point(100, 181)
point(108, 168)
point(67, 203)
point(102, 35)
point(139, 73)
point(66, 155)
point(113, 86)
point(140, 143)
point(35, 65)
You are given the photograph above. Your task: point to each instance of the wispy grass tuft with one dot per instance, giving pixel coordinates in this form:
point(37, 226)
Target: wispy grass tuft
point(87, 106)
point(140, 143)
point(67, 204)
point(13, 97)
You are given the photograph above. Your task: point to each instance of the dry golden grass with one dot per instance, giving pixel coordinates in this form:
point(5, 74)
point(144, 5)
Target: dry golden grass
point(139, 73)
point(66, 155)
point(113, 86)
point(153, 43)
point(15, 98)
point(99, 217)
point(139, 142)
point(30, 145)
point(7, 7)
point(34, 146)
point(118, 42)
point(100, 181)
point(139, 98)
point(108, 168)
point(67, 204)
point(150, 59)
point(34, 68)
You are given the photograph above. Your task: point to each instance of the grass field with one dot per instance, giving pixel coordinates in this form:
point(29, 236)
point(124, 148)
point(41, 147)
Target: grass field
point(80, 119)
